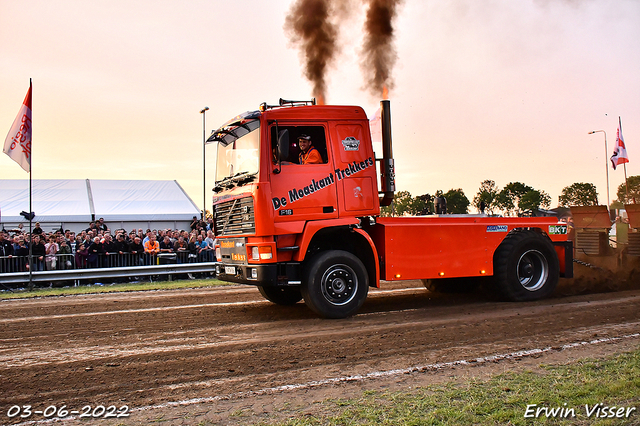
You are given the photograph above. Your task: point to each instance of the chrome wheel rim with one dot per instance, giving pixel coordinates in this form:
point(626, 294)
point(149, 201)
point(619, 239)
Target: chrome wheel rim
point(532, 270)
point(339, 284)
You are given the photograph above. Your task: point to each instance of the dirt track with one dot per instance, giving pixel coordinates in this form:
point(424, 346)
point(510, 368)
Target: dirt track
point(220, 344)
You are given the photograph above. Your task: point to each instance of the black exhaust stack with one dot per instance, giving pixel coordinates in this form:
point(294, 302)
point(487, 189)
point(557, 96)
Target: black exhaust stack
point(387, 170)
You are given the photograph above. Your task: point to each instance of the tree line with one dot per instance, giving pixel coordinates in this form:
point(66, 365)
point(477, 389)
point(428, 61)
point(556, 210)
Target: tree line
point(515, 199)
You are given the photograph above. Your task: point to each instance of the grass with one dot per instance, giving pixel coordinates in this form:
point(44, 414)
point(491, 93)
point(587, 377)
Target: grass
point(500, 400)
point(109, 288)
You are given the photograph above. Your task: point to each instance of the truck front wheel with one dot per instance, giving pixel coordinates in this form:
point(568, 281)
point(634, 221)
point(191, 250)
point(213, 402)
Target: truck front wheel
point(526, 266)
point(336, 284)
point(281, 295)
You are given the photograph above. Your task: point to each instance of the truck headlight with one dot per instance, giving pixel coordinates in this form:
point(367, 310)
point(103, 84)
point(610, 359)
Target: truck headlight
point(261, 253)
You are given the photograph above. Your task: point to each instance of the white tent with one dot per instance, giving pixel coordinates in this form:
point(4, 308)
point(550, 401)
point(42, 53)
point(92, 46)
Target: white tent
point(72, 204)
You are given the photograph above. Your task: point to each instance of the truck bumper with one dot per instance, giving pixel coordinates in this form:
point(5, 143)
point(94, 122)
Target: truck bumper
point(246, 274)
point(271, 274)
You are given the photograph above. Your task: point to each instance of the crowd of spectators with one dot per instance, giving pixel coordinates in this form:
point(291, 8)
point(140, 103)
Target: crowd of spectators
point(99, 247)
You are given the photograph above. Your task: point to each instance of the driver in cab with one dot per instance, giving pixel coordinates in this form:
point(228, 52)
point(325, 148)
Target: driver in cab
point(308, 154)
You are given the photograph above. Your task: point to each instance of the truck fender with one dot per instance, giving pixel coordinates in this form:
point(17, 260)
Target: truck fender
point(376, 279)
point(311, 228)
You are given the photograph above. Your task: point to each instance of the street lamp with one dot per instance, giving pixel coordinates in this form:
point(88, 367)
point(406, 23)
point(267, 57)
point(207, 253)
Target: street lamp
point(204, 163)
point(606, 160)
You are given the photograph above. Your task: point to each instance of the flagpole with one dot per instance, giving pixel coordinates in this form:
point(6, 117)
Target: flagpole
point(30, 233)
point(30, 201)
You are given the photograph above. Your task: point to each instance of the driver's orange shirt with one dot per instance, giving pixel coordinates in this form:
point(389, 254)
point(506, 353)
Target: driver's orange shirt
point(311, 157)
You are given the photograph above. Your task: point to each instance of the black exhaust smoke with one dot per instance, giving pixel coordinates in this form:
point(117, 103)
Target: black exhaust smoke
point(309, 25)
point(379, 54)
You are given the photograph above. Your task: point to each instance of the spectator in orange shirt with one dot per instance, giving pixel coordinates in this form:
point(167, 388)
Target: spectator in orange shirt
point(151, 248)
point(309, 154)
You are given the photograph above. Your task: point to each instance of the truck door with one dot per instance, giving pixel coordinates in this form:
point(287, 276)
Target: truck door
point(355, 169)
point(303, 191)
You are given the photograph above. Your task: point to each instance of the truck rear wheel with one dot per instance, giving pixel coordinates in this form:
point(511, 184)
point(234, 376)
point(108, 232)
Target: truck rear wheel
point(526, 266)
point(336, 284)
point(281, 295)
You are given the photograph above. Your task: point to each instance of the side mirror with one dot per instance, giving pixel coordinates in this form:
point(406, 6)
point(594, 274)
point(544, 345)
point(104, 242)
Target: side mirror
point(283, 145)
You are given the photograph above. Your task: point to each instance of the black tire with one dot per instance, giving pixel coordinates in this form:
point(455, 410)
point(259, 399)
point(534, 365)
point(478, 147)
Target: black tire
point(336, 284)
point(525, 266)
point(281, 295)
point(452, 285)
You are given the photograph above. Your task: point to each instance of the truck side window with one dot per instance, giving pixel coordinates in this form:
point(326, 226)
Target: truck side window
point(316, 134)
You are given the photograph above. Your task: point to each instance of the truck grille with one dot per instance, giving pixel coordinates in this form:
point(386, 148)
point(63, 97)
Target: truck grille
point(235, 217)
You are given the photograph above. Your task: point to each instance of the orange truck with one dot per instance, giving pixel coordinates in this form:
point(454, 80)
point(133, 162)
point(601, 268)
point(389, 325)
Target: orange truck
point(314, 231)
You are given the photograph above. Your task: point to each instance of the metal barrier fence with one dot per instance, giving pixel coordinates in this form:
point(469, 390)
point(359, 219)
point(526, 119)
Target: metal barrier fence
point(22, 278)
point(61, 262)
point(13, 269)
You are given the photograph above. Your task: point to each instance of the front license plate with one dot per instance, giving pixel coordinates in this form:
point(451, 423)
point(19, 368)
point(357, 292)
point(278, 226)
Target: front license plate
point(230, 270)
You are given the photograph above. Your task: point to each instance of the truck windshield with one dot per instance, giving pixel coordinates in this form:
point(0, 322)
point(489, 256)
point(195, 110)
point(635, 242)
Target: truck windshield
point(239, 154)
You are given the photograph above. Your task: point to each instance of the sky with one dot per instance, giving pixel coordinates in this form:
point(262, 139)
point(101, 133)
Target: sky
point(494, 89)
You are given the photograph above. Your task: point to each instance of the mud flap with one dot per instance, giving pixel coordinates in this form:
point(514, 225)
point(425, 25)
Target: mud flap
point(566, 258)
